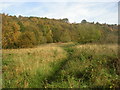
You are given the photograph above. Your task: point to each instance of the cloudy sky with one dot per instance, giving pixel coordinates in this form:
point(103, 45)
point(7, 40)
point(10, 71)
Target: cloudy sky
point(103, 12)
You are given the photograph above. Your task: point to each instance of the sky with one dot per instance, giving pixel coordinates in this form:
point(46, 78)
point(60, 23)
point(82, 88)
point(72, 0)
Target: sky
point(103, 12)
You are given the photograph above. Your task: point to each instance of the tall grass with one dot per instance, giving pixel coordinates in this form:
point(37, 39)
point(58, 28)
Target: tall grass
point(62, 65)
point(89, 66)
point(29, 67)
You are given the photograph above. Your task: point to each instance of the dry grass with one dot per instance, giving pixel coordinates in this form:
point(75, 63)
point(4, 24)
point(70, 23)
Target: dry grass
point(29, 67)
point(18, 61)
point(99, 48)
point(89, 66)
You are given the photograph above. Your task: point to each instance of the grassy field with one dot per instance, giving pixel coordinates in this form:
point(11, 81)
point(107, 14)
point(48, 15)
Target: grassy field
point(62, 65)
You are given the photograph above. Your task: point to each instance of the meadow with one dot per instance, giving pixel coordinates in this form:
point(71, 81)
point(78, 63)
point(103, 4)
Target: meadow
point(62, 65)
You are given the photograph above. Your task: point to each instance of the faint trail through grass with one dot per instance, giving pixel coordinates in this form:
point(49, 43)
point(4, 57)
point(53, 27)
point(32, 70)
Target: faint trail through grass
point(25, 68)
point(61, 65)
point(80, 69)
point(68, 48)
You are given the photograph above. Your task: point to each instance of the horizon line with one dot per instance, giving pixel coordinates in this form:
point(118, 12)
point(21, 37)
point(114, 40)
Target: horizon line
point(58, 19)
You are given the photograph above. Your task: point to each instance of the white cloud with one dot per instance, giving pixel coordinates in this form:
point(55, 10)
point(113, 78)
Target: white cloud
point(59, 0)
point(101, 12)
point(4, 5)
point(75, 12)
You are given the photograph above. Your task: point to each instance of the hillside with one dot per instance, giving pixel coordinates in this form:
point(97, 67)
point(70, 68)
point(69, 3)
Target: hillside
point(54, 53)
point(23, 32)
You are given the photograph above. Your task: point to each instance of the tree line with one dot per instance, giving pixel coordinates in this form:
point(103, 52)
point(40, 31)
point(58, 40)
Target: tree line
point(23, 32)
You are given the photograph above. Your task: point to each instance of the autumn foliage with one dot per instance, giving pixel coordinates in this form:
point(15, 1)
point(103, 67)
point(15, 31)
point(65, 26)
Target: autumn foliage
point(21, 32)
